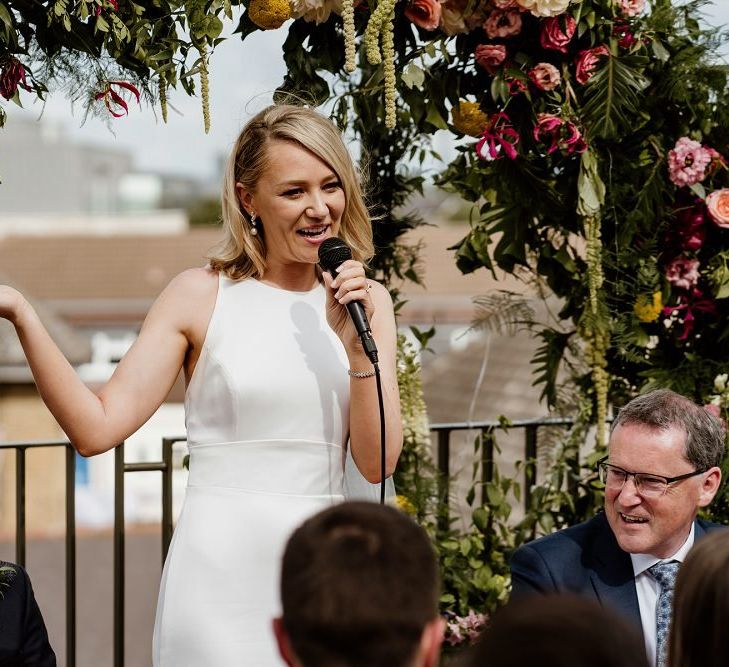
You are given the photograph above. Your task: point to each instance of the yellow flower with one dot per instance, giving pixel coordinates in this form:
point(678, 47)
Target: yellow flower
point(269, 14)
point(468, 118)
point(403, 504)
point(648, 307)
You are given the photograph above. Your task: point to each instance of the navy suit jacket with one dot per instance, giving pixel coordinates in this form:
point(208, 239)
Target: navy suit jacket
point(586, 560)
point(23, 636)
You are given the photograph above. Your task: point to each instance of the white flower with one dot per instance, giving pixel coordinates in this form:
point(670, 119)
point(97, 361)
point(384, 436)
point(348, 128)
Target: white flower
point(544, 7)
point(720, 382)
point(315, 10)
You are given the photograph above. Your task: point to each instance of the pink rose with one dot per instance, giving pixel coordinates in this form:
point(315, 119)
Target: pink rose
point(683, 272)
point(687, 162)
point(12, 75)
point(717, 203)
point(545, 76)
point(587, 61)
point(631, 7)
point(424, 13)
point(503, 23)
point(490, 56)
point(557, 32)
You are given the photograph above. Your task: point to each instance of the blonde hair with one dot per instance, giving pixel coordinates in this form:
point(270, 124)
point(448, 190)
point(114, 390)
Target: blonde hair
point(243, 255)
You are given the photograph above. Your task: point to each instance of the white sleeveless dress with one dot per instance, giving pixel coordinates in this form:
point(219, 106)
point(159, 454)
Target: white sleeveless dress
point(267, 416)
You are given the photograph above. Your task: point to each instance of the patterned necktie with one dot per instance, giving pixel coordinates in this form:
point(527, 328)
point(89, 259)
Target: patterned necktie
point(665, 574)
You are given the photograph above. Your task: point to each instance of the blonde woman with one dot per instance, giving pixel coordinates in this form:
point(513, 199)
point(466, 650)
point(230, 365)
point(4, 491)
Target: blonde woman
point(278, 385)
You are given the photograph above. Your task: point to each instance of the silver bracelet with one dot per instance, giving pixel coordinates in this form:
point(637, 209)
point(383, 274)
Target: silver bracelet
point(360, 374)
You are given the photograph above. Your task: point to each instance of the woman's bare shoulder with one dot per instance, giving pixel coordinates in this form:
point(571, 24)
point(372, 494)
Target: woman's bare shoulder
point(193, 284)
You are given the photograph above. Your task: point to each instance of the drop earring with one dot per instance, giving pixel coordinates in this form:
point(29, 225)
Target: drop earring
point(254, 230)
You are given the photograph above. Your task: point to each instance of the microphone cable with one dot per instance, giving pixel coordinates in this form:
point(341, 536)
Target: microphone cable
point(381, 404)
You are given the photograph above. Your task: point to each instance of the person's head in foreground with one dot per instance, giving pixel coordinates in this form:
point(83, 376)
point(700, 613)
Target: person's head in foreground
point(557, 631)
point(662, 467)
point(699, 636)
point(283, 152)
point(359, 588)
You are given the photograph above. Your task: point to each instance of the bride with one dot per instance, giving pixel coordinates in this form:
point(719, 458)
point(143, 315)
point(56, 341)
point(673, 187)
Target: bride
point(280, 393)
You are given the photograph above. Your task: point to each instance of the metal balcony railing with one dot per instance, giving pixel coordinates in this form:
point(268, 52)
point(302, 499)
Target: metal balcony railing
point(442, 432)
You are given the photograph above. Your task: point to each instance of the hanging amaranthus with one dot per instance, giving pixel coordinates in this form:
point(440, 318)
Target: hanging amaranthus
point(348, 20)
point(162, 89)
point(388, 53)
point(381, 27)
point(204, 85)
point(595, 329)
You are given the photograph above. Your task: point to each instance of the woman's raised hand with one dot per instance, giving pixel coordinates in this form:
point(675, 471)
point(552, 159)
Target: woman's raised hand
point(12, 303)
point(348, 284)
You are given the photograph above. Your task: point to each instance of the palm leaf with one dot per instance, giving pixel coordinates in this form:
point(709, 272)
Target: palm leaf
point(612, 97)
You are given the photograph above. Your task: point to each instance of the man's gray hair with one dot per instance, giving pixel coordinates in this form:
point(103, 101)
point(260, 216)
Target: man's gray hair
point(663, 409)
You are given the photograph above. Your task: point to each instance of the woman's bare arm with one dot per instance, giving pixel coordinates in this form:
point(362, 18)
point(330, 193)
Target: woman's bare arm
point(96, 422)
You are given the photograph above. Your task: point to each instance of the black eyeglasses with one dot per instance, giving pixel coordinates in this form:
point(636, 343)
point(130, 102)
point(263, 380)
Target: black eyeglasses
point(646, 484)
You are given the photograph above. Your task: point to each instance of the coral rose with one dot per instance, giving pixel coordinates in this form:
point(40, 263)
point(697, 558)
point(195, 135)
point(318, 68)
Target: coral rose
point(544, 7)
point(631, 7)
point(683, 272)
point(503, 23)
point(557, 33)
point(587, 61)
point(717, 203)
point(424, 13)
point(490, 56)
point(505, 4)
point(545, 76)
point(687, 162)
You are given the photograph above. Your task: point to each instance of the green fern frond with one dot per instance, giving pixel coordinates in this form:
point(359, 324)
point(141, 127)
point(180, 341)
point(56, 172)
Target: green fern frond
point(503, 312)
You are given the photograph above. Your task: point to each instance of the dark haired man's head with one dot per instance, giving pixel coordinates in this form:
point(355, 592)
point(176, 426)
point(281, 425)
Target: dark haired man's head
point(359, 588)
point(557, 631)
point(676, 447)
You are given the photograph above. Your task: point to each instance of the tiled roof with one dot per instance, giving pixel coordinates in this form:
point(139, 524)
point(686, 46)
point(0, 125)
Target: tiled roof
point(102, 267)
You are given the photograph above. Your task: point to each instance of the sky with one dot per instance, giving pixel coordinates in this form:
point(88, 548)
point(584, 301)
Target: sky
point(243, 77)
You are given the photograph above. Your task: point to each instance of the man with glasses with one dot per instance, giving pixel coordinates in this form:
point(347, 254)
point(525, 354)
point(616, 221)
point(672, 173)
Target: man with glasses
point(662, 467)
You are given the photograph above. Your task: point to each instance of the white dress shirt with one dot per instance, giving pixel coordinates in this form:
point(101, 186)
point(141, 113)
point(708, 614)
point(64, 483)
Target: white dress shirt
point(648, 590)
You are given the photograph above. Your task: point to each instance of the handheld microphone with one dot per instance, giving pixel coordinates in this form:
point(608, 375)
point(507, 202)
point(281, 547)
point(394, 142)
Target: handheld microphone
point(332, 253)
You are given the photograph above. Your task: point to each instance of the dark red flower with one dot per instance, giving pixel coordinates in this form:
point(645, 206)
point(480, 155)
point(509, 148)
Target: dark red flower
point(11, 76)
point(687, 230)
point(110, 96)
point(690, 304)
point(621, 30)
point(516, 86)
point(561, 134)
point(113, 3)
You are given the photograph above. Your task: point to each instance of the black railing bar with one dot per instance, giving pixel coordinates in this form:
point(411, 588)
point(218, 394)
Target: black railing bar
point(70, 557)
point(20, 506)
point(444, 464)
point(119, 560)
point(167, 526)
point(487, 460)
point(530, 463)
point(495, 424)
point(152, 466)
point(26, 444)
